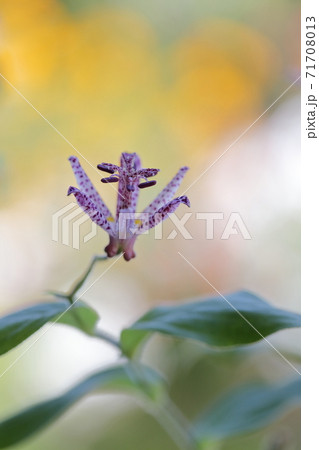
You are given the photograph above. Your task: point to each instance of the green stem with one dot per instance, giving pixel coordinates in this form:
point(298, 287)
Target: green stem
point(82, 280)
point(107, 337)
point(98, 333)
point(172, 420)
point(175, 427)
point(77, 286)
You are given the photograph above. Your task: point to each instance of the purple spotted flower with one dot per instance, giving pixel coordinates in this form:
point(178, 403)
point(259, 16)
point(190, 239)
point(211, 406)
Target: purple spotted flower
point(124, 228)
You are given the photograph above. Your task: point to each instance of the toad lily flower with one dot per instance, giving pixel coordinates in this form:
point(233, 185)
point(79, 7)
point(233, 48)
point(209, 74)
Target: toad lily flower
point(125, 227)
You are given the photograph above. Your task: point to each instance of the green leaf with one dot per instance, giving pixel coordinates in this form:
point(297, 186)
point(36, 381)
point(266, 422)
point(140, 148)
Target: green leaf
point(81, 316)
point(247, 409)
point(17, 327)
point(132, 378)
point(214, 321)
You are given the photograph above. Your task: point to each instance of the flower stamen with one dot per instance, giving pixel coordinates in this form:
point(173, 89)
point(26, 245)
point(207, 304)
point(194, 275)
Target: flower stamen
point(114, 179)
point(109, 168)
point(146, 184)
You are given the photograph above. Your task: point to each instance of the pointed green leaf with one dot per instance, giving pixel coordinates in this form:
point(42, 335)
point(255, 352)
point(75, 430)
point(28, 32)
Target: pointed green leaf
point(132, 378)
point(242, 318)
point(247, 409)
point(18, 326)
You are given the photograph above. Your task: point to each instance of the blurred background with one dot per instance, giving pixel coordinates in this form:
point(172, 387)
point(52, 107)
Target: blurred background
point(178, 82)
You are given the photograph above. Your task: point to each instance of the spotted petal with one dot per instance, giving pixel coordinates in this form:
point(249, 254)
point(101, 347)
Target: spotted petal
point(162, 213)
point(91, 209)
point(167, 193)
point(87, 187)
point(128, 183)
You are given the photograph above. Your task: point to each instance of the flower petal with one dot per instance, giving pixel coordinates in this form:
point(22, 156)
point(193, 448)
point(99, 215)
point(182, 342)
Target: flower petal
point(91, 209)
point(167, 193)
point(128, 184)
point(162, 213)
point(87, 187)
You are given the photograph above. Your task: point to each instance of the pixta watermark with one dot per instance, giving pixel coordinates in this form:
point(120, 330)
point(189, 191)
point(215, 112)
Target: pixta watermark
point(68, 226)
